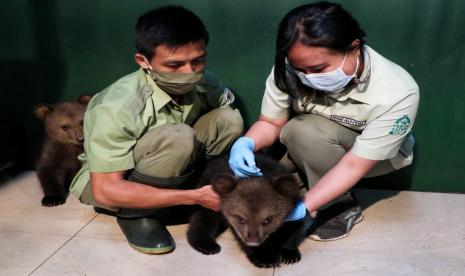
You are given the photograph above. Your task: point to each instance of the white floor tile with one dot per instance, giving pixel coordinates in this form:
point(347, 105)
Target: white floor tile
point(21, 210)
point(410, 233)
point(87, 256)
point(21, 253)
point(104, 227)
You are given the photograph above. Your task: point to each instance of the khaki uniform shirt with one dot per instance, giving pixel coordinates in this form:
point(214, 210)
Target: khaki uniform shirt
point(123, 112)
point(382, 106)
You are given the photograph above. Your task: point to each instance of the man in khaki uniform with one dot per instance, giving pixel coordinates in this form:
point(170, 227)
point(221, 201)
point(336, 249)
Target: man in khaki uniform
point(342, 110)
point(146, 133)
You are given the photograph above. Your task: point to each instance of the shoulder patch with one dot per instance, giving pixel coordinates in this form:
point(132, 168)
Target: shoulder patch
point(400, 126)
point(227, 97)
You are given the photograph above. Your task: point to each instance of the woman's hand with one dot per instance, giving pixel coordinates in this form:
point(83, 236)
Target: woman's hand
point(242, 158)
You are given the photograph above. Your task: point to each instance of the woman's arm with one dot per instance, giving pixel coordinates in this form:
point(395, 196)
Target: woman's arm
point(265, 131)
point(347, 172)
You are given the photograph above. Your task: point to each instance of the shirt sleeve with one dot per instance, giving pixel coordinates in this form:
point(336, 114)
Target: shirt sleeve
point(382, 138)
point(275, 102)
point(110, 136)
point(218, 94)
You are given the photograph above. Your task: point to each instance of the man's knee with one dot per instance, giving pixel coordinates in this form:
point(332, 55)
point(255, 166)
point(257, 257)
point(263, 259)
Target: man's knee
point(174, 141)
point(178, 138)
point(228, 119)
point(218, 129)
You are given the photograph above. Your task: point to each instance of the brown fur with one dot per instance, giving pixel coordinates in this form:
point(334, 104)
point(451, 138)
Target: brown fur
point(255, 209)
point(63, 142)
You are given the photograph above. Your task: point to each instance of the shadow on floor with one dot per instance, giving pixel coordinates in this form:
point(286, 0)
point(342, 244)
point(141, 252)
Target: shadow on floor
point(384, 186)
point(367, 198)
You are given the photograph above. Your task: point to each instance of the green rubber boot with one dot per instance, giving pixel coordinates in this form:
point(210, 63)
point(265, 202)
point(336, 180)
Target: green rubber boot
point(147, 235)
point(144, 232)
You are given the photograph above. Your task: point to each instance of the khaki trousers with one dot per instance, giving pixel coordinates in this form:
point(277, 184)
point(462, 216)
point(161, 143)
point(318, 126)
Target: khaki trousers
point(316, 144)
point(166, 156)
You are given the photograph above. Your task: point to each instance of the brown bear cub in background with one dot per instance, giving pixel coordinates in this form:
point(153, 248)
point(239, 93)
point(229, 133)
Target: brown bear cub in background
point(58, 162)
point(255, 209)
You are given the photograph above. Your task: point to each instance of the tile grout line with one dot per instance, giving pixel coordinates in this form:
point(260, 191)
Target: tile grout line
point(65, 243)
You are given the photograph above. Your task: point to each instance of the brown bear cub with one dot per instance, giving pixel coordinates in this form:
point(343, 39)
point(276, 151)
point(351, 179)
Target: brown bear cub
point(58, 162)
point(255, 209)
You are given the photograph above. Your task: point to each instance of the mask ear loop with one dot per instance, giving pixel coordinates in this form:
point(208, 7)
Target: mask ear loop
point(288, 67)
point(344, 61)
point(356, 79)
point(148, 64)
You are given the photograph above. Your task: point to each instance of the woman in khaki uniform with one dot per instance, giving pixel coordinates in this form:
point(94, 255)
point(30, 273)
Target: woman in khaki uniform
point(342, 110)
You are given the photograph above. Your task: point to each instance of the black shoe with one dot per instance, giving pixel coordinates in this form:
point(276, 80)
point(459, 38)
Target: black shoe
point(147, 235)
point(100, 210)
point(336, 221)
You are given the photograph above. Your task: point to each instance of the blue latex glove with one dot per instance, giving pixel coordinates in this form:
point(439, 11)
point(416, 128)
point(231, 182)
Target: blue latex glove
point(298, 213)
point(242, 158)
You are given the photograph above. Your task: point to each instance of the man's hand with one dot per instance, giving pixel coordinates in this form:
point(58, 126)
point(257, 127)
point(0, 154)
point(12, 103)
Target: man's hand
point(208, 198)
point(242, 159)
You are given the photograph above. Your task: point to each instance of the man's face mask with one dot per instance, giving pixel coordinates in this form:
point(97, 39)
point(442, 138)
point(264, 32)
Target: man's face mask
point(329, 82)
point(175, 83)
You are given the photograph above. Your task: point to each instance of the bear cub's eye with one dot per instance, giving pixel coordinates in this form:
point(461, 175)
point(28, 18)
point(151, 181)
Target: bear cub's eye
point(65, 127)
point(240, 220)
point(267, 221)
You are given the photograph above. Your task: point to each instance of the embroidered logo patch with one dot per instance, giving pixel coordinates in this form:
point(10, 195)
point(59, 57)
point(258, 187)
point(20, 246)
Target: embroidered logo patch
point(400, 126)
point(227, 97)
point(347, 121)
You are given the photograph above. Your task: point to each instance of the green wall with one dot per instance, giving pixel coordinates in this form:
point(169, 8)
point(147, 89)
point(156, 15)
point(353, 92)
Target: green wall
point(56, 50)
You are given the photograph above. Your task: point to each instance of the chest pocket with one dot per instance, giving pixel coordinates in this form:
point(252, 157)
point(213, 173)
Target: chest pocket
point(199, 108)
point(348, 112)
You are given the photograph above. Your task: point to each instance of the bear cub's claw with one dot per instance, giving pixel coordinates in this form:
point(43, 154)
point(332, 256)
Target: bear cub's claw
point(290, 256)
point(265, 260)
point(53, 200)
point(207, 247)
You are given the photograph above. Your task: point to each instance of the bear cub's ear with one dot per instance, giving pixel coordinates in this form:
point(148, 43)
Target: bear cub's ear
point(84, 98)
point(42, 110)
point(223, 184)
point(286, 185)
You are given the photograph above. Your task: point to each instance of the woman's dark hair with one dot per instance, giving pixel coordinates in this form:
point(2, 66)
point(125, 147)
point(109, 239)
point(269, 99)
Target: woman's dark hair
point(172, 26)
point(321, 24)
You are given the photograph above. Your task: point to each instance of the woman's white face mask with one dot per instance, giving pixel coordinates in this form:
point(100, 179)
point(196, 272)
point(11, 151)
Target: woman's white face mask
point(329, 82)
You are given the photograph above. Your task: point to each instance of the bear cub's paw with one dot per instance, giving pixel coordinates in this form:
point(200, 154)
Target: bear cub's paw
point(289, 256)
point(53, 200)
point(269, 260)
point(207, 247)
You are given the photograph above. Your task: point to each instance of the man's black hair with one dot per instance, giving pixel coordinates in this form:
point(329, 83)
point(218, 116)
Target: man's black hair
point(321, 24)
point(172, 26)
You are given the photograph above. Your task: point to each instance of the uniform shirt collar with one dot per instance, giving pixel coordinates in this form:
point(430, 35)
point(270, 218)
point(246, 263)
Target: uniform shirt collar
point(160, 98)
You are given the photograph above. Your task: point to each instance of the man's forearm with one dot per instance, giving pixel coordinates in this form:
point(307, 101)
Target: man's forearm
point(123, 193)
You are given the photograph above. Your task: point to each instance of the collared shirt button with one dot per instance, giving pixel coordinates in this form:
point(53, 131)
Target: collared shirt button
point(147, 89)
